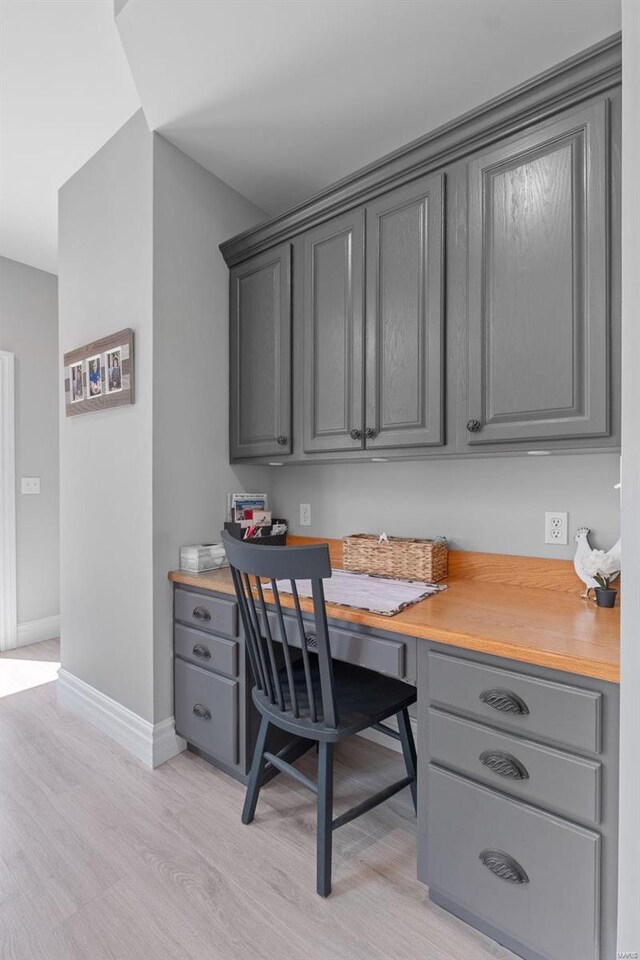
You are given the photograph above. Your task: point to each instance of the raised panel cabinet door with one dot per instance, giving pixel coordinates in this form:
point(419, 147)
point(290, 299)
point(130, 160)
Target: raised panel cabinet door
point(538, 289)
point(260, 356)
point(333, 333)
point(404, 317)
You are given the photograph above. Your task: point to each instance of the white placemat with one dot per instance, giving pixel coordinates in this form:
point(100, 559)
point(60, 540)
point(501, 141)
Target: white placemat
point(375, 594)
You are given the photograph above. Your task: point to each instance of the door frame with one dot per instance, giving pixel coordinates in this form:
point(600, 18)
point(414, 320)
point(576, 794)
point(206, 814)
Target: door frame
point(8, 589)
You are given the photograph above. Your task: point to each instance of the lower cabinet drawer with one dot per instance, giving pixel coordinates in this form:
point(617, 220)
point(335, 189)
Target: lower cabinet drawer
point(530, 771)
point(213, 653)
point(527, 705)
point(206, 612)
point(533, 876)
point(206, 708)
point(375, 653)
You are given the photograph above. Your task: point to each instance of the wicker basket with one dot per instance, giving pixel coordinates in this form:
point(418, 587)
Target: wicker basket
point(402, 558)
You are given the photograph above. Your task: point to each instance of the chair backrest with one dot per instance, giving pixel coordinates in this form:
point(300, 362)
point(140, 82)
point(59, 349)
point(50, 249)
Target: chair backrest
point(252, 562)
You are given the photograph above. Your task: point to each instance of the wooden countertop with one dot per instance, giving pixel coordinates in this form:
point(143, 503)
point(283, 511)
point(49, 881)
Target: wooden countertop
point(522, 608)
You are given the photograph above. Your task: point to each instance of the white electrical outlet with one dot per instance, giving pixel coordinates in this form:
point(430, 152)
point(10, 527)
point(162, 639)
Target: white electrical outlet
point(556, 527)
point(30, 485)
point(305, 514)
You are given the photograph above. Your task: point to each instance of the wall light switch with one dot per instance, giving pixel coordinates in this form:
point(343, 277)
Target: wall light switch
point(305, 514)
point(29, 484)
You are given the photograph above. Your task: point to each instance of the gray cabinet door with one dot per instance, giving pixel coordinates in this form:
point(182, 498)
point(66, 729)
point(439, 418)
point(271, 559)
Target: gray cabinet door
point(404, 324)
point(333, 333)
point(538, 302)
point(260, 350)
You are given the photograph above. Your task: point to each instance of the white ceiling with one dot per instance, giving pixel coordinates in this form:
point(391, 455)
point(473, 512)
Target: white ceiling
point(280, 98)
point(66, 89)
point(277, 97)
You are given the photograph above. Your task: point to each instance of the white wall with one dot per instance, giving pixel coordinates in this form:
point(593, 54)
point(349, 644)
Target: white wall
point(629, 849)
point(194, 212)
point(29, 329)
point(495, 505)
point(105, 284)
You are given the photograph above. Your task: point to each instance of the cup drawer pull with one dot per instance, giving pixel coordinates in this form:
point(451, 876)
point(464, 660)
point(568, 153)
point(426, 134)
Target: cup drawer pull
point(199, 650)
point(202, 712)
point(503, 866)
point(504, 765)
point(201, 613)
point(505, 701)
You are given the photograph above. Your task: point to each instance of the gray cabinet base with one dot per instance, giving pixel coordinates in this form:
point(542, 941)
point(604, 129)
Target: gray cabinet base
point(479, 924)
point(225, 767)
point(276, 740)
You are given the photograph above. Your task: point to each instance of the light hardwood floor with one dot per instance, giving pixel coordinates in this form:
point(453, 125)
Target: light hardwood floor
point(103, 858)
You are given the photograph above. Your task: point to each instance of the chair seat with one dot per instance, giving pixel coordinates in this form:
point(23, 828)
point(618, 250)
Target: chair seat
point(362, 699)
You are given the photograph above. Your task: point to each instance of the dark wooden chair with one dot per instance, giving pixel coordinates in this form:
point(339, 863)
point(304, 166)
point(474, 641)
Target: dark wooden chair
point(302, 691)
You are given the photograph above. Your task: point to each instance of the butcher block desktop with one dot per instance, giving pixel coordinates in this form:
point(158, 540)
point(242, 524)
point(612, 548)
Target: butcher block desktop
point(522, 608)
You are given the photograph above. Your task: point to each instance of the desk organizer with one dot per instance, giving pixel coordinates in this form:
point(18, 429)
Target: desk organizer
point(402, 558)
point(279, 540)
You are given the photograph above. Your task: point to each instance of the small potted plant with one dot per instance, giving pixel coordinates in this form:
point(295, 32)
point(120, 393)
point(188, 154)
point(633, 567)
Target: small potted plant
point(603, 568)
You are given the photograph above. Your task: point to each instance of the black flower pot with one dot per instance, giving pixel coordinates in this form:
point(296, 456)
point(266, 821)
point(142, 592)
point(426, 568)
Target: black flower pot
point(605, 598)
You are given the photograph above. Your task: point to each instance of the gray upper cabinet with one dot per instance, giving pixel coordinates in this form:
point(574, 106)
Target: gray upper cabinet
point(333, 335)
point(538, 284)
point(404, 320)
point(260, 355)
point(459, 297)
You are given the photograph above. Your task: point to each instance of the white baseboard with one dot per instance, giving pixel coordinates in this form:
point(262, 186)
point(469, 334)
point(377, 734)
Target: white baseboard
point(35, 631)
point(166, 743)
point(150, 743)
point(386, 741)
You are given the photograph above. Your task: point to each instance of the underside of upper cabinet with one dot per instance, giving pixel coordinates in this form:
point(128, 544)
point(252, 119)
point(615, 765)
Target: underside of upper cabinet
point(461, 297)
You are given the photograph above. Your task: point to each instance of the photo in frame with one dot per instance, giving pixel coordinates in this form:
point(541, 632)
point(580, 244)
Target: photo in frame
point(100, 375)
point(76, 380)
point(94, 376)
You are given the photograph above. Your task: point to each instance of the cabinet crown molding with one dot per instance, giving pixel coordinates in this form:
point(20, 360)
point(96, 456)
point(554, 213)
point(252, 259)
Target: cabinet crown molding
point(588, 73)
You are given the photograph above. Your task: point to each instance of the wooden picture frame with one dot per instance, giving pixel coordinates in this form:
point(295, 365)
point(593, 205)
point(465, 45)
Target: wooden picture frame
point(100, 375)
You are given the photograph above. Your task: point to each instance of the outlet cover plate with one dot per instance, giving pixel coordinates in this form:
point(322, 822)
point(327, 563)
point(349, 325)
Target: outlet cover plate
point(556, 528)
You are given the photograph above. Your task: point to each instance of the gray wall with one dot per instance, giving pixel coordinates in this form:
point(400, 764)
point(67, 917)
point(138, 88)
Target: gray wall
point(193, 213)
point(495, 505)
point(140, 226)
point(29, 329)
point(105, 284)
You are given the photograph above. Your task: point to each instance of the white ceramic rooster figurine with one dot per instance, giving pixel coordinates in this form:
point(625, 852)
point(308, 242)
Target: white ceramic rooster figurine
point(588, 562)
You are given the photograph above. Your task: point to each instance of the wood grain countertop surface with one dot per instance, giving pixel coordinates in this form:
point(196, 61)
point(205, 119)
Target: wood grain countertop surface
point(523, 608)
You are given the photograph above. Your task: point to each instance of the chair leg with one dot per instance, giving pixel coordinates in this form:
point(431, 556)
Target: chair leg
point(325, 818)
point(409, 751)
point(257, 773)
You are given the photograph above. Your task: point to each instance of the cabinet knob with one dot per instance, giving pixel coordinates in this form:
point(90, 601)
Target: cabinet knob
point(281, 440)
point(202, 712)
point(355, 434)
point(505, 701)
point(504, 765)
point(199, 650)
point(474, 426)
point(503, 866)
point(370, 433)
point(201, 613)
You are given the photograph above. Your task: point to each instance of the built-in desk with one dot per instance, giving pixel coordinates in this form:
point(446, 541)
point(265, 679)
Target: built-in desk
point(517, 735)
point(521, 608)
